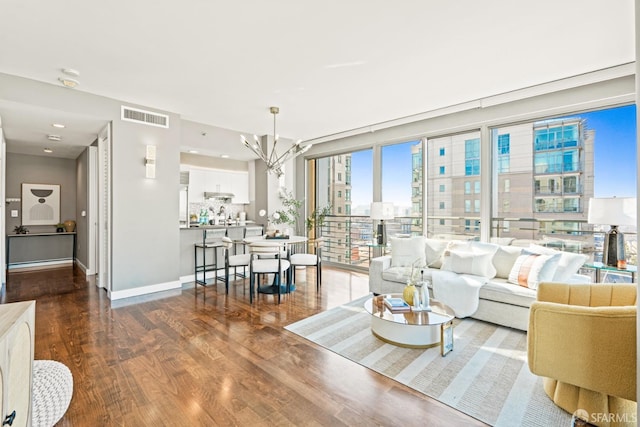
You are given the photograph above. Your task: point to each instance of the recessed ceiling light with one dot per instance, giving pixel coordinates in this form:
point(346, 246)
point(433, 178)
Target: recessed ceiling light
point(193, 151)
point(71, 72)
point(54, 137)
point(58, 125)
point(70, 83)
point(225, 156)
point(48, 150)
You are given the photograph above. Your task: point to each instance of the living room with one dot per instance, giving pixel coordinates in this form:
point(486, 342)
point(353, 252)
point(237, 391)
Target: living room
point(140, 266)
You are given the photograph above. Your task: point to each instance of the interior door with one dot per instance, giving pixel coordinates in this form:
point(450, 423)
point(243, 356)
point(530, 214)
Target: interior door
point(103, 232)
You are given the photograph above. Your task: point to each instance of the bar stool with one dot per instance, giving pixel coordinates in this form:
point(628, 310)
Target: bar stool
point(211, 242)
point(233, 260)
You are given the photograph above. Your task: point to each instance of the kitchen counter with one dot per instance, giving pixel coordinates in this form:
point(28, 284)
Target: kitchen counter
point(195, 235)
point(204, 227)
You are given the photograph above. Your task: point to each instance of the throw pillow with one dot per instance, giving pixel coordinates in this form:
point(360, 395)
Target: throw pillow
point(434, 249)
point(531, 268)
point(568, 265)
point(504, 259)
point(469, 262)
point(407, 252)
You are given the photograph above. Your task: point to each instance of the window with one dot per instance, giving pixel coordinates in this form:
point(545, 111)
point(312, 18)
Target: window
point(506, 205)
point(570, 184)
point(441, 151)
point(504, 149)
point(507, 185)
point(339, 179)
point(402, 182)
point(472, 157)
point(446, 181)
point(476, 205)
point(441, 205)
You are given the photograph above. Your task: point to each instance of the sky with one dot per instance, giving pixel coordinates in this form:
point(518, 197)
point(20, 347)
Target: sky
point(614, 154)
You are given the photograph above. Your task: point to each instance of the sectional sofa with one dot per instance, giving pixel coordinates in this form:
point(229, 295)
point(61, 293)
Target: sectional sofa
point(503, 278)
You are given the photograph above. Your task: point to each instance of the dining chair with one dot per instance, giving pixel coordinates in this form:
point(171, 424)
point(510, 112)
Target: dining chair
point(233, 260)
point(309, 260)
point(266, 258)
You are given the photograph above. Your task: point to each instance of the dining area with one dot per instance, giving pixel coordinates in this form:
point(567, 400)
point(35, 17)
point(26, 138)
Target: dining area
point(269, 262)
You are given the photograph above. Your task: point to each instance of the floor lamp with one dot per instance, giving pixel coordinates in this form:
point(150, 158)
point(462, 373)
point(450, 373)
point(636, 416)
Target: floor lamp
point(613, 211)
point(381, 211)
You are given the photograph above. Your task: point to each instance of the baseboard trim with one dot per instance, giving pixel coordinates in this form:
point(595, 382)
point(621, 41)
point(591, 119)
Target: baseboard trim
point(41, 265)
point(144, 290)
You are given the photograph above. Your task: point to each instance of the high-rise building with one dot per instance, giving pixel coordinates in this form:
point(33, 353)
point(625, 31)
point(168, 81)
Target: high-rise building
point(542, 171)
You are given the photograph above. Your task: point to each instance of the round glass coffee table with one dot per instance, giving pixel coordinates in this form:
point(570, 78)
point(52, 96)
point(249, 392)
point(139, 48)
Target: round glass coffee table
point(414, 329)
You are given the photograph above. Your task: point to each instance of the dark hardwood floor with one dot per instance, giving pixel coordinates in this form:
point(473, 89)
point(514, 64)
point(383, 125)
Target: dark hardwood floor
point(202, 358)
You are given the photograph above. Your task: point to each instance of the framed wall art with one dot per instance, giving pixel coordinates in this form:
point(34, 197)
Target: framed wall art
point(40, 204)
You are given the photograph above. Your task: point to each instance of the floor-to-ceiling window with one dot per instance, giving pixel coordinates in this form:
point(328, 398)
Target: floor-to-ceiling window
point(344, 183)
point(544, 176)
point(402, 177)
point(453, 186)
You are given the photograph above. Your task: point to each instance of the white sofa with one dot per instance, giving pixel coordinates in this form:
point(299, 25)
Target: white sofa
point(506, 276)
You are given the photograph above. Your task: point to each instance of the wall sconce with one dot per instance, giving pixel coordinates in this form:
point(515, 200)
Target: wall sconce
point(150, 161)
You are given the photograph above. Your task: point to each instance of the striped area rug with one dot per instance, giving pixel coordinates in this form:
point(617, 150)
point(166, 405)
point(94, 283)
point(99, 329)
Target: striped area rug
point(486, 376)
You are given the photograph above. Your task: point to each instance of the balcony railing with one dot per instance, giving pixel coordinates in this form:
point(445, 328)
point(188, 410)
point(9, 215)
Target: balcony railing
point(350, 240)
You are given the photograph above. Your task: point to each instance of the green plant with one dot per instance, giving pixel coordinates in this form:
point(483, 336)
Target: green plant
point(290, 211)
point(317, 217)
point(20, 229)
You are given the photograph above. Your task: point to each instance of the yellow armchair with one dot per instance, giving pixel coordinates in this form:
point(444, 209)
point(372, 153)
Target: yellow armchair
point(582, 339)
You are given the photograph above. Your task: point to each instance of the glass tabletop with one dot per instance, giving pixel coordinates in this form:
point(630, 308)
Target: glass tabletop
point(440, 313)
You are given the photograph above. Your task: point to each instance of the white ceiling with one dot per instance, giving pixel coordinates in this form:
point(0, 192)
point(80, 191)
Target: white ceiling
point(330, 65)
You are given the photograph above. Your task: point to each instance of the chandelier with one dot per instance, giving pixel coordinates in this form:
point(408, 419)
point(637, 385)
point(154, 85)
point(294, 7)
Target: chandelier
point(273, 160)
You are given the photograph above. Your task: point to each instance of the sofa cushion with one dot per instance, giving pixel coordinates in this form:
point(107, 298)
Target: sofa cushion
point(504, 259)
point(434, 249)
point(499, 290)
point(532, 268)
point(568, 265)
point(407, 252)
point(473, 262)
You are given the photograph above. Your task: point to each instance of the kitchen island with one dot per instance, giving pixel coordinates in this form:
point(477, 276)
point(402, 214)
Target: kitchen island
point(191, 236)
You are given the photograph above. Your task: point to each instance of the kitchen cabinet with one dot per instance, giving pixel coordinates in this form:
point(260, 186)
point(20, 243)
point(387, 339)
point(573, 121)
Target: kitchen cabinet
point(218, 181)
point(197, 185)
point(17, 325)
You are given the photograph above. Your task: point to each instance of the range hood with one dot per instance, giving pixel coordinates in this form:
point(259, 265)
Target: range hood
point(218, 195)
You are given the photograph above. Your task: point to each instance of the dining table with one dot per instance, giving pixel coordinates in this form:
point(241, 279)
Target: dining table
point(288, 244)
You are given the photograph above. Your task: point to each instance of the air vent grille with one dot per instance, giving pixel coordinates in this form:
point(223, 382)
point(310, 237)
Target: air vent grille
point(145, 117)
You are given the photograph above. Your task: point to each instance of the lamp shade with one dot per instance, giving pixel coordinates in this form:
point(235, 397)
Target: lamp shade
point(612, 210)
point(381, 210)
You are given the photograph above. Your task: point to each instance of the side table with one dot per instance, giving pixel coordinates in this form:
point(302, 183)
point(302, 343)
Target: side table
point(599, 267)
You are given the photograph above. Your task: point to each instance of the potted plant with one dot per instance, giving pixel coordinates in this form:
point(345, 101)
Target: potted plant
point(290, 211)
point(316, 220)
point(59, 227)
point(20, 229)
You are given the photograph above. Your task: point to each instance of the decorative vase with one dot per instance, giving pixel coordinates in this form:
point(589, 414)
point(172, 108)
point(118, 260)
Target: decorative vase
point(408, 292)
point(69, 225)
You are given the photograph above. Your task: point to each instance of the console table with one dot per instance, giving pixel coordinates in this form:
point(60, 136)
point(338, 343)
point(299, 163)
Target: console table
point(11, 237)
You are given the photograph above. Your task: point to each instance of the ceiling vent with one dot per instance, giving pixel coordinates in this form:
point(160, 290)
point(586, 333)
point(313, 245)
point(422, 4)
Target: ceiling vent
point(145, 117)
